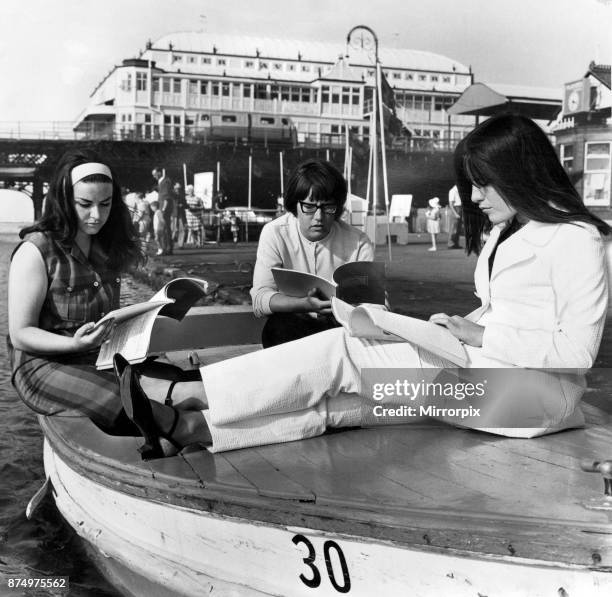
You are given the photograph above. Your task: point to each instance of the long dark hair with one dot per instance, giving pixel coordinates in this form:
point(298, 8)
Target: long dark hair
point(118, 237)
point(325, 180)
point(512, 154)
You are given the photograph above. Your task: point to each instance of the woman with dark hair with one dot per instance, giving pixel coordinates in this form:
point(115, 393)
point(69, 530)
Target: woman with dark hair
point(65, 275)
point(311, 238)
point(542, 280)
point(512, 155)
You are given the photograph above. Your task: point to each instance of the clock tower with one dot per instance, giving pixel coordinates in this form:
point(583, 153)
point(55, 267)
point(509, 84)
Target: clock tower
point(576, 97)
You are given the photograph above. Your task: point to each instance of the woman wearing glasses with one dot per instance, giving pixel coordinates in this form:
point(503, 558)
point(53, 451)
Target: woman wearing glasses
point(311, 238)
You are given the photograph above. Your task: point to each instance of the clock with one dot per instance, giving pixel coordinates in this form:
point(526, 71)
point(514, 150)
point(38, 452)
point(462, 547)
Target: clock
point(573, 101)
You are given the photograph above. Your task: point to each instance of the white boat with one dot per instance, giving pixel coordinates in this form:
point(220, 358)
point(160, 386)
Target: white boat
point(398, 510)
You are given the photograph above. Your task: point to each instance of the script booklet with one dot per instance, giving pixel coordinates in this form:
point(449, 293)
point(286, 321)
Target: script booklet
point(373, 322)
point(134, 323)
point(355, 282)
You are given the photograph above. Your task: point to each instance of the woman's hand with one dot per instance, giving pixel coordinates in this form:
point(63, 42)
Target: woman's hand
point(316, 305)
point(465, 330)
point(88, 336)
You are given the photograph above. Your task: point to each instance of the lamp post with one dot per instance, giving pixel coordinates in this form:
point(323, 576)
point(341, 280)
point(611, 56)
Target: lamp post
point(363, 38)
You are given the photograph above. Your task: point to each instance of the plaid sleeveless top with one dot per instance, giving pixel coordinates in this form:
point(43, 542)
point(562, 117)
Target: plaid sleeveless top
point(80, 289)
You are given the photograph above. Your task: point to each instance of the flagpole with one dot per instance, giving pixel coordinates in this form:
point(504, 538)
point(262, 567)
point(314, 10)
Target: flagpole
point(384, 153)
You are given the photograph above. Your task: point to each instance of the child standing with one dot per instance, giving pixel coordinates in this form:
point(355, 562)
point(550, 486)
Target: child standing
point(433, 221)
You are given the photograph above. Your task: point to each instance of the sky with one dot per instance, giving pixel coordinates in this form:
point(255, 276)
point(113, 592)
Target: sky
point(54, 52)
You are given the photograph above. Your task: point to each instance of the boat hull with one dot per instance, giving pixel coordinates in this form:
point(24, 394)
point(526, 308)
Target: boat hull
point(155, 548)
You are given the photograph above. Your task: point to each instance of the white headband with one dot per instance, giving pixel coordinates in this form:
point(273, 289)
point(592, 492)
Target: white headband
point(84, 170)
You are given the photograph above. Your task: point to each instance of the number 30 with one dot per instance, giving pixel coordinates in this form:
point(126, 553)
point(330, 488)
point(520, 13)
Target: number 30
point(315, 580)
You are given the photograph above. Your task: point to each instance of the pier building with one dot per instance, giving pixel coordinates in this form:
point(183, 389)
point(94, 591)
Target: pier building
point(583, 133)
point(189, 85)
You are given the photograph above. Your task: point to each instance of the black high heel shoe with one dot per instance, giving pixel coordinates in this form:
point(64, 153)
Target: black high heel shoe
point(119, 365)
point(138, 408)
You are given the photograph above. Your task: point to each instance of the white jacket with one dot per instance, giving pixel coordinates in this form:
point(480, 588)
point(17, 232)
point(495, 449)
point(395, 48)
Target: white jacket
point(545, 304)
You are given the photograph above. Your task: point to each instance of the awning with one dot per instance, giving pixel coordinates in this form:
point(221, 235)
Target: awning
point(482, 100)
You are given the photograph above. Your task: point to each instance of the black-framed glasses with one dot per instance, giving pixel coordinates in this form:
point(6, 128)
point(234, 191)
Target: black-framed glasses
point(311, 208)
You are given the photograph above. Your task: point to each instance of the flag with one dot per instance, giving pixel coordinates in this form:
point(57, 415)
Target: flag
point(393, 125)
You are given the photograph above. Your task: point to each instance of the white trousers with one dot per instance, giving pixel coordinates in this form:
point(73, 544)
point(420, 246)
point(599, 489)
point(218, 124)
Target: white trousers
point(296, 390)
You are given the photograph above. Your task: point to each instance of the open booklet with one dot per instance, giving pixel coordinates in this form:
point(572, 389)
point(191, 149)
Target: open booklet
point(375, 323)
point(354, 282)
point(134, 323)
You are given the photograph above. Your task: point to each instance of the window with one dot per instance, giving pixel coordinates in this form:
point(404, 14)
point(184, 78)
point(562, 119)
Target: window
point(221, 62)
point(166, 85)
point(285, 121)
point(263, 65)
point(193, 87)
point(126, 84)
point(305, 94)
point(225, 89)
point(295, 94)
point(155, 84)
point(215, 88)
point(177, 58)
point(597, 174)
point(434, 78)
point(277, 66)
point(236, 90)
point(446, 79)
point(566, 155)
point(191, 59)
point(141, 81)
point(260, 91)
point(408, 76)
point(204, 117)
point(397, 75)
point(249, 64)
point(176, 85)
point(228, 118)
point(266, 120)
point(205, 60)
point(204, 87)
point(246, 90)
point(291, 67)
point(422, 77)
point(305, 68)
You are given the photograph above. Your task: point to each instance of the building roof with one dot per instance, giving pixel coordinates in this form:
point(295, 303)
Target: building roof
point(601, 72)
point(313, 51)
point(482, 99)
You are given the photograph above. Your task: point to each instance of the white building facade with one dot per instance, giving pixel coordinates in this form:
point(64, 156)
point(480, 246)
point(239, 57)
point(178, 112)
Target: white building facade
point(188, 86)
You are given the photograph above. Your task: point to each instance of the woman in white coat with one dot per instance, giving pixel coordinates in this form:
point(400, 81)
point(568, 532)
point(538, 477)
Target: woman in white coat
point(541, 277)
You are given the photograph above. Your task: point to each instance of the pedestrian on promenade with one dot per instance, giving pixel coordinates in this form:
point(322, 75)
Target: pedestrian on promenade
point(433, 221)
point(541, 277)
point(456, 227)
point(179, 223)
point(195, 225)
point(159, 227)
point(165, 197)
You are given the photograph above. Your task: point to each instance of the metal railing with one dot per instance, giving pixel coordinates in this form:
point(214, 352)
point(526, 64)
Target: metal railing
point(148, 132)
